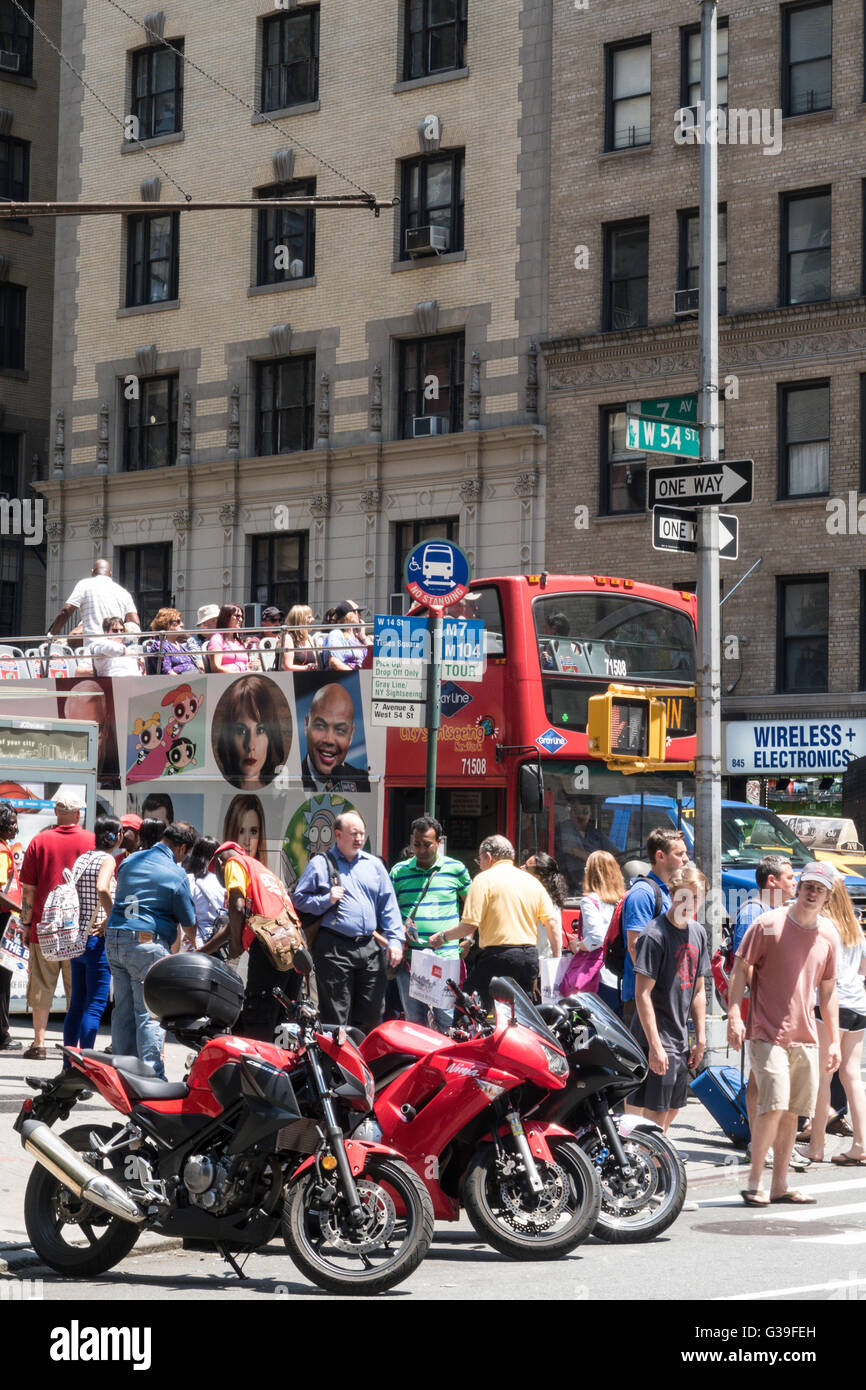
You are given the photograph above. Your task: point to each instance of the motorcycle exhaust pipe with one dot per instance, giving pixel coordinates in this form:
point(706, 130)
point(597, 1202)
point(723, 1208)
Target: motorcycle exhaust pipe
point(69, 1168)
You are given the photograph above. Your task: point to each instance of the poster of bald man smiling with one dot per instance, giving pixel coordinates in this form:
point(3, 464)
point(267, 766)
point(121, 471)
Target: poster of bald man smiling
point(331, 723)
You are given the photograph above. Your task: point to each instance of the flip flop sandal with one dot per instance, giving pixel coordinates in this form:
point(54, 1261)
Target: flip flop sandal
point(795, 1199)
point(846, 1161)
point(754, 1198)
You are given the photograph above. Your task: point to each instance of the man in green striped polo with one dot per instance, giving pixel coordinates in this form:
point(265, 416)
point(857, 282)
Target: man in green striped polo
point(430, 892)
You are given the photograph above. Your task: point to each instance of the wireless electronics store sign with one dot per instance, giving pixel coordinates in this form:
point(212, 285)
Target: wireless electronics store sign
point(798, 746)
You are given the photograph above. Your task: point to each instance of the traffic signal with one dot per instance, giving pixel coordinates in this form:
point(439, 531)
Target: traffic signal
point(627, 724)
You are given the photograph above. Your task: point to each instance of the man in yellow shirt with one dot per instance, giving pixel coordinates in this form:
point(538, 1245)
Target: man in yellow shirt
point(504, 906)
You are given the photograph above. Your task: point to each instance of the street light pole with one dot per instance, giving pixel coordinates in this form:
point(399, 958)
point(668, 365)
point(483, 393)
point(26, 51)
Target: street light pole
point(708, 764)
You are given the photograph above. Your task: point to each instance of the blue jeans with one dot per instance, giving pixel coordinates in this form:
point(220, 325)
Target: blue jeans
point(416, 1012)
point(134, 1033)
point(91, 978)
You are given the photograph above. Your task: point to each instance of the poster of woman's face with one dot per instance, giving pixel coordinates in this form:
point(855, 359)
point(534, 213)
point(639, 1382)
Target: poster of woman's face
point(331, 731)
point(251, 732)
point(243, 821)
point(94, 699)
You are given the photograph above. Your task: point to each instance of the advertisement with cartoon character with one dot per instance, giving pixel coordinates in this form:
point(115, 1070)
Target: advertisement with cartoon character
point(311, 831)
point(166, 732)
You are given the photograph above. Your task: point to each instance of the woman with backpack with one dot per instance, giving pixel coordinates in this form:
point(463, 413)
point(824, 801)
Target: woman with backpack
point(603, 890)
point(93, 874)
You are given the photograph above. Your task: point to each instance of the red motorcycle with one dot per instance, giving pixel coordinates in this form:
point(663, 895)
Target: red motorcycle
point(452, 1106)
point(256, 1138)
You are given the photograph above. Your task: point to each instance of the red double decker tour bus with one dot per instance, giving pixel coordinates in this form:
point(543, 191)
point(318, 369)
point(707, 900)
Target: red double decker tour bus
point(552, 641)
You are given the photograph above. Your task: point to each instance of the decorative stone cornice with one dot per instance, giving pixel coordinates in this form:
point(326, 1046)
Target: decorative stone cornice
point(55, 530)
point(526, 484)
point(146, 359)
point(280, 335)
point(371, 500)
point(182, 520)
point(96, 527)
point(470, 491)
point(154, 25)
point(151, 189)
point(320, 504)
point(283, 162)
point(228, 514)
point(427, 316)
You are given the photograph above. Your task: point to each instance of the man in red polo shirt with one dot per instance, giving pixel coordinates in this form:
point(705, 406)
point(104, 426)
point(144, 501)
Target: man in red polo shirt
point(47, 855)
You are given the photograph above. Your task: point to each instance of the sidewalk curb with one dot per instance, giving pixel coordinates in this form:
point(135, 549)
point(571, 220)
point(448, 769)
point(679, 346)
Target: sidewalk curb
point(25, 1257)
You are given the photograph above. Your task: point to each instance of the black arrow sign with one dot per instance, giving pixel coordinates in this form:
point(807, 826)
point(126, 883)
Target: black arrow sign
point(701, 484)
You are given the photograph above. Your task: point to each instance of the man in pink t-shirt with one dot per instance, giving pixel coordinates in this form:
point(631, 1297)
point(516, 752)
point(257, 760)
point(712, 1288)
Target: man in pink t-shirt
point(784, 957)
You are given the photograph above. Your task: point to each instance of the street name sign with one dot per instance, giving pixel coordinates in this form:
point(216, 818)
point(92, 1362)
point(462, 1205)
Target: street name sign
point(661, 437)
point(674, 528)
point(393, 713)
point(701, 484)
point(678, 410)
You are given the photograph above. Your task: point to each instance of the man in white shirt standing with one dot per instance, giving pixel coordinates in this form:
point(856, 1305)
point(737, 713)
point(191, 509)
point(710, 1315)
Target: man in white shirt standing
point(98, 598)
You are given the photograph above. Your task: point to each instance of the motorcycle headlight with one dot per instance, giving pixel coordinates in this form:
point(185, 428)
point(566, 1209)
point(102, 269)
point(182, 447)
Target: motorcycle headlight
point(555, 1061)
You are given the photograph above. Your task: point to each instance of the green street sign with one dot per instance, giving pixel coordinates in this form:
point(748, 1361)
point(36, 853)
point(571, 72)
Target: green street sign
point(679, 410)
point(658, 437)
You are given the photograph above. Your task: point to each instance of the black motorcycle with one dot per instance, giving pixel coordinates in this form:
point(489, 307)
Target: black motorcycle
point(643, 1180)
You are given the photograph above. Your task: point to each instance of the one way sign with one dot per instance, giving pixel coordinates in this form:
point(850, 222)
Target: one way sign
point(701, 484)
point(676, 529)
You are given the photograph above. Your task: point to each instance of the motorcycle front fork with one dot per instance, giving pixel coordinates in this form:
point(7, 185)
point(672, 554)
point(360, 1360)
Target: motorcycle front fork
point(604, 1121)
point(337, 1141)
point(518, 1133)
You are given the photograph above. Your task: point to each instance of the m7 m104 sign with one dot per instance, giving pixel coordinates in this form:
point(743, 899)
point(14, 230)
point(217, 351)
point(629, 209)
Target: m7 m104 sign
point(701, 484)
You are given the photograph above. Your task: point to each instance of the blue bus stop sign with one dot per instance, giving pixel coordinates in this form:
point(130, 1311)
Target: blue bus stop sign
point(437, 573)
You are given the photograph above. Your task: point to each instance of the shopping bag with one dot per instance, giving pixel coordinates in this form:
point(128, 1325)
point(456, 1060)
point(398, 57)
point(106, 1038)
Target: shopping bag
point(429, 978)
point(583, 974)
point(551, 969)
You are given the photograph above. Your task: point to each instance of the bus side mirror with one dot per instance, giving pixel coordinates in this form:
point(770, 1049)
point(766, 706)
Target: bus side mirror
point(531, 788)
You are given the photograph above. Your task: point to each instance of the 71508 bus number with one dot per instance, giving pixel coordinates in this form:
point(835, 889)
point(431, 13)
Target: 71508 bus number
point(474, 767)
point(615, 667)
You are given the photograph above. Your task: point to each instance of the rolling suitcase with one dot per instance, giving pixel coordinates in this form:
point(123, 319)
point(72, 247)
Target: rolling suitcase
point(722, 1091)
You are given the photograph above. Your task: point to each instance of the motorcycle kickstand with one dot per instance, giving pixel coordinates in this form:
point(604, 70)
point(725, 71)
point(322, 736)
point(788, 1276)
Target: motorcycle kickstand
point(230, 1260)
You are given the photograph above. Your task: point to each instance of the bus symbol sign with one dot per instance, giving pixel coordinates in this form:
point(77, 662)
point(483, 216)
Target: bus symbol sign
point(551, 741)
point(437, 573)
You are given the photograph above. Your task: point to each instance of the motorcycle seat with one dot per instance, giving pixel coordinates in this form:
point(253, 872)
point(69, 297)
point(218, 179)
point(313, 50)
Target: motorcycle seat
point(138, 1079)
point(387, 1068)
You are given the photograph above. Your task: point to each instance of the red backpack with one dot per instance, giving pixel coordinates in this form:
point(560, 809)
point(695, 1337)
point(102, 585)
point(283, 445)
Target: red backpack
point(614, 941)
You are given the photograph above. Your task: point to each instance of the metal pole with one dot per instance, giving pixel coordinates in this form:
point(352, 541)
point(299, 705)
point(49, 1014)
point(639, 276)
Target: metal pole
point(434, 710)
point(708, 802)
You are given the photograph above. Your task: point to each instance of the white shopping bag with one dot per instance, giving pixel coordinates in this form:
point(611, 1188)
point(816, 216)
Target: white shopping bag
point(552, 969)
point(430, 976)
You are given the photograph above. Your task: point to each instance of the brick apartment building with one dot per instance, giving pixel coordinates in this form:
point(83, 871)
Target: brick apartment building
point(792, 335)
point(287, 363)
point(28, 171)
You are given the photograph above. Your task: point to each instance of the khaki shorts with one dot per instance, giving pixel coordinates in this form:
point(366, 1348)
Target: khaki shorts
point(786, 1077)
point(42, 978)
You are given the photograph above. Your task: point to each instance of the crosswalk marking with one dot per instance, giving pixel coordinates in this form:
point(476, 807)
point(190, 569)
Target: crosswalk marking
point(842, 1185)
point(832, 1286)
point(792, 1212)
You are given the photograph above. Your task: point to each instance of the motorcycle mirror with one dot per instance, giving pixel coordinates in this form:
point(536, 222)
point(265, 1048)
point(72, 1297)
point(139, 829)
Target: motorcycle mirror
point(303, 962)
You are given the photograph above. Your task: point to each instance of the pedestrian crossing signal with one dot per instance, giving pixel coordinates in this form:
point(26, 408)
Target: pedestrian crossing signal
point(627, 726)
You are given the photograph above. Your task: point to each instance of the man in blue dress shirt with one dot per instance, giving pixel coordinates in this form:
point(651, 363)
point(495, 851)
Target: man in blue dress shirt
point(152, 900)
point(349, 960)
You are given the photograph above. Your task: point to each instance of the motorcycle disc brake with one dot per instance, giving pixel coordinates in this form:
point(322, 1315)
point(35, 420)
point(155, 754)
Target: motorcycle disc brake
point(623, 1198)
point(549, 1203)
point(380, 1218)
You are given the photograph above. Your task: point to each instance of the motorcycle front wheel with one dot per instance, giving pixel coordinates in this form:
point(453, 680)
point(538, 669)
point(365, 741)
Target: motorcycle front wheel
point(71, 1234)
point(391, 1243)
point(526, 1225)
point(638, 1210)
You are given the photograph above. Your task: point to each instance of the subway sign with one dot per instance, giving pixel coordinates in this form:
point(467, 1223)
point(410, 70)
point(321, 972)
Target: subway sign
point(774, 748)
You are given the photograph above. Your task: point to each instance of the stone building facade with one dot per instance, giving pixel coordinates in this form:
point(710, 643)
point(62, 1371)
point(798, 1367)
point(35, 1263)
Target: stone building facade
point(792, 334)
point(286, 466)
point(28, 172)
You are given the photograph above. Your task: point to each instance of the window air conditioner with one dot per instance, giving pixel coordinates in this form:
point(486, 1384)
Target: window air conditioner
point(9, 62)
point(685, 302)
point(425, 425)
point(426, 241)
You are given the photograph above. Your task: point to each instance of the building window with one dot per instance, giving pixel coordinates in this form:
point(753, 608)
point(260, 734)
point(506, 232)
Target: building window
point(285, 402)
point(13, 315)
point(690, 65)
point(14, 171)
point(151, 425)
point(623, 471)
point(628, 95)
point(152, 258)
point(432, 196)
point(690, 253)
point(287, 236)
point(431, 384)
point(807, 47)
point(410, 533)
point(157, 90)
point(805, 247)
point(435, 37)
point(145, 572)
point(290, 59)
point(16, 36)
point(626, 275)
point(278, 575)
point(803, 609)
point(804, 431)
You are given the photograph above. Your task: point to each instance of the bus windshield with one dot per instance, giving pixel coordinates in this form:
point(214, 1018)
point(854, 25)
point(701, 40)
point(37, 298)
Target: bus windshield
point(614, 636)
point(586, 808)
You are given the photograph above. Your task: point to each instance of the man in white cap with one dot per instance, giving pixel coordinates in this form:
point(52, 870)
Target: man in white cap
point(98, 598)
point(47, 855)
point(206, 618)
point(784, 957)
